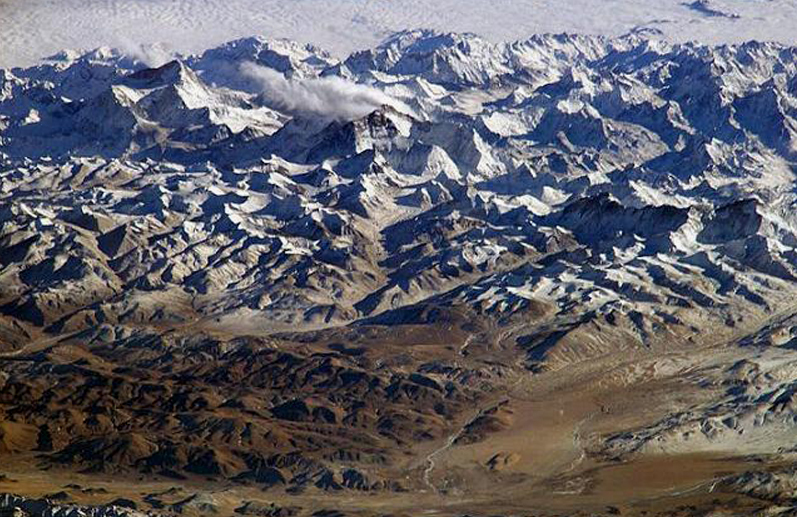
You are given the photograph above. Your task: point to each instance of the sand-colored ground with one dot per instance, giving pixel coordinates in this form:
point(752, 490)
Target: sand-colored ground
point(536, 454)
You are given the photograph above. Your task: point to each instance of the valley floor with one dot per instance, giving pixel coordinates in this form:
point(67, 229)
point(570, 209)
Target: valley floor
point(619, 435)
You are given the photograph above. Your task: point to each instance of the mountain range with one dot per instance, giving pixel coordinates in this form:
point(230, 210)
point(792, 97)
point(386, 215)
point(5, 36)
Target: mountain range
point(265, 264)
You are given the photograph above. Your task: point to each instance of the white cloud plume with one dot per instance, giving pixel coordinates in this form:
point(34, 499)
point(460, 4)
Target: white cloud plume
point(332, 98)
point(153, 55)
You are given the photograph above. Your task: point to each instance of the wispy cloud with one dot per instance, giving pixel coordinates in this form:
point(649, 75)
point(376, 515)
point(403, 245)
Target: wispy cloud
point(331, 98)
point(152, 55)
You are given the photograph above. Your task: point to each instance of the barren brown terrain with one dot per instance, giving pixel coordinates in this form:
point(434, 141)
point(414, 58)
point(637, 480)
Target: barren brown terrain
point(363, 420)
point(442, 276)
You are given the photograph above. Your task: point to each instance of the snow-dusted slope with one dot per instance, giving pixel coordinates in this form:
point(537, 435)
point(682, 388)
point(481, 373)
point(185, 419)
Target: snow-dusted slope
point(576, 179)
point(558, 205)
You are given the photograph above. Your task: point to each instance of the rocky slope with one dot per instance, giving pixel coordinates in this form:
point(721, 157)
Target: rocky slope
point(247, 236)
point(571, 176)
